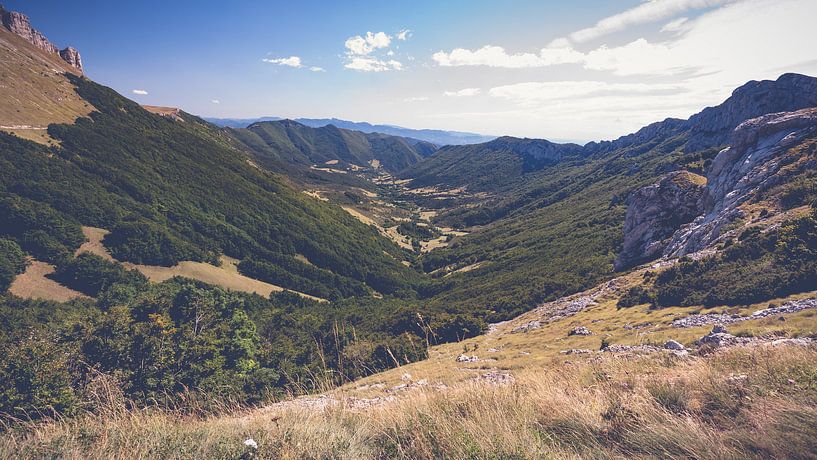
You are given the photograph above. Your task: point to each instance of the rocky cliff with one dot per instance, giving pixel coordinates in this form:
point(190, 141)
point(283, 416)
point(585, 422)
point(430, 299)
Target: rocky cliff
point(20, 25)
point(679, 215)
point(759, 158)
point(655, 212)
point(713, 126)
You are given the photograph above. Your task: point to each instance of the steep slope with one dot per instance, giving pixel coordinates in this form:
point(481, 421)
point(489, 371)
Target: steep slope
point(19, 24)
point(174, 190)
point(290, 142)
point(35, 90)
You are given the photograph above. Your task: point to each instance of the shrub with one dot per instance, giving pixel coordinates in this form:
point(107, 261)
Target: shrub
point(91, 274)
point(12, 262)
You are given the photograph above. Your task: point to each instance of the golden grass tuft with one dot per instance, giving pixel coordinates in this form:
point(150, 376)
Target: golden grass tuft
point(754, 402)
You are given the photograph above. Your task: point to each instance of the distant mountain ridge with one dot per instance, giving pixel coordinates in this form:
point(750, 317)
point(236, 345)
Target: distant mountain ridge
point(289, 142)
point(435, 136)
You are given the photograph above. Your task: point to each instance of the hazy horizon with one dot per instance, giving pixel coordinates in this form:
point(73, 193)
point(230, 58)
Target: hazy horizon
point(580, 72)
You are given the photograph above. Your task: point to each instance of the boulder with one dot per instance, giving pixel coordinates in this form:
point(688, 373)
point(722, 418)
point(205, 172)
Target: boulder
point(581, 330)
point(673, 345)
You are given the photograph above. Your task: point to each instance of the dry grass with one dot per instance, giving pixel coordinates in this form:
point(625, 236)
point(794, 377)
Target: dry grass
point(34, 91)
point(739, 403)
point(34, 284)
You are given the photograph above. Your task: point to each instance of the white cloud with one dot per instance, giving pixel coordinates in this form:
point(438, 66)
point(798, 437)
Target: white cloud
point(361, 52)
point(618, 88)
point(539, 92)
point(404, 34)
point(465, 92)
point(215, 101)
point(675, 25)
point(416, 99)
point(362, 46)
point(647, 12)
point(317, 69)
point(371, 64)
point(140, 92)
point(496, 56)
point(292, 61)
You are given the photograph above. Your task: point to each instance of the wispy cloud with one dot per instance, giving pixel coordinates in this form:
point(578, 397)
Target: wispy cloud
point(675, 25)
point(416, 99)
point(404, 34)
point(317, 69)
point(696, 62)
point(292, 61)
point(465, 92)
point(140, 92)
point(647, 12)
point(215, 101)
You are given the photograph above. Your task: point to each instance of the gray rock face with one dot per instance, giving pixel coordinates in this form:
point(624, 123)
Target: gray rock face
point(713, 126)
point(751, 164)
point(72, 57)
point(655, 212)
point(719, 329)
point(20, 25)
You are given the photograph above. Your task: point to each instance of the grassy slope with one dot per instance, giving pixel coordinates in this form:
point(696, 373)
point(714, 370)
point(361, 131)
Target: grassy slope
point(35, 91)
point(187, 178)
point(644, 408)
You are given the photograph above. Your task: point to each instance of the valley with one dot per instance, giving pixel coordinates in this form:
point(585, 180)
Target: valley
point(174, 286)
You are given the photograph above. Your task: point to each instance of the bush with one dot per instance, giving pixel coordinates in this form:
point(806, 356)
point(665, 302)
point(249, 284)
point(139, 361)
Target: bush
point(760, 267)
point(673, 397)
point(12, 262)
point(636, 295)
point(91, 274)
point(147, 243)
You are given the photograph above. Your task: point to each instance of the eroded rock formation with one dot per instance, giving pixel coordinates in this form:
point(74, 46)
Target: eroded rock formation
point(20, 25)
point(655, 212)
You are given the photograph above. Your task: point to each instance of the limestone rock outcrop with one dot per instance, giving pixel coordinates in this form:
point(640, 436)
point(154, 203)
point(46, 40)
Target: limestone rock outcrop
point(752, 164)
point(19, 24)
point(655, 212)
point(713, 126)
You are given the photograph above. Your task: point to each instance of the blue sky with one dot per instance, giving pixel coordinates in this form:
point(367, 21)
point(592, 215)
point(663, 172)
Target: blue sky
point(579, 70)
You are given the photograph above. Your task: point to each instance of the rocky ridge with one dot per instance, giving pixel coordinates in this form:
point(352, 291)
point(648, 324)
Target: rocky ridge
point(20, 25)
point(750, 165)
point(678, 215)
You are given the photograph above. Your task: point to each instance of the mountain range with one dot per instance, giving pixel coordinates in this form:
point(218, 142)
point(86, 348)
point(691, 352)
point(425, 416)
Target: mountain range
point(434, 136)
point(177, 263)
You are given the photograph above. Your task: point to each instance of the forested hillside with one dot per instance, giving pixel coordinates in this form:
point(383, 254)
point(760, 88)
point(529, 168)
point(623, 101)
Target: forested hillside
point(290, 142)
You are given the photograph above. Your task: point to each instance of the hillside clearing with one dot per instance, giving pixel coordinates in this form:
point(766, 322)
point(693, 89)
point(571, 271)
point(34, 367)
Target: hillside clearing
point(35, 284)
point(226, 276)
